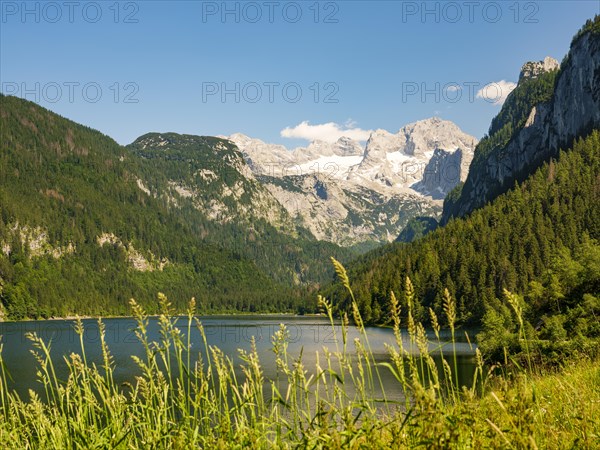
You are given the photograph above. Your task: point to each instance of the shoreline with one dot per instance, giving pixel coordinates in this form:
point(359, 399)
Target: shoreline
point(223, 314)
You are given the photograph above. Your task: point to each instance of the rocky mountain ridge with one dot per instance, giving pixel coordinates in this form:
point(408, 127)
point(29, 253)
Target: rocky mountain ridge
point(544, 114)
point(534, 69)
point(349, 193)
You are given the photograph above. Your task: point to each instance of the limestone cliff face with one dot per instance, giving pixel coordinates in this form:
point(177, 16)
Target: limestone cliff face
point(410, 157)
point(572, 111)
point(534, 69)
point(346, 214)
point(576, 106)
point(443, 172)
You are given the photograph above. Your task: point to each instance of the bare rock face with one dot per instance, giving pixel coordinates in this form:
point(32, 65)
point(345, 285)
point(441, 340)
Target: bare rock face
point(347, 214)
point(443, 172)
point(344, 146)
point(534, 69)
point(576, 105)
point(348, 193)
point(430, 134)
point(261, 157)
point(573, 111)
point(417, 157)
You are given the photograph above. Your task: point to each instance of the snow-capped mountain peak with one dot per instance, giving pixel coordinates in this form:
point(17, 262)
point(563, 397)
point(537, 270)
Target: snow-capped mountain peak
point(381, 184)
point(400, 160)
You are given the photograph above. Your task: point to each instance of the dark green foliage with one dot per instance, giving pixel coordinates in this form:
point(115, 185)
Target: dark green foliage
point(544, 231)
point(513, 116)
point(560, 312)
point(504, 128)
point(540, 239)
point(183, 159)
point(283, 182)
point(73, 184)
point(591, 25)
point(452, 199)
point(519, 103)
point(417, 228)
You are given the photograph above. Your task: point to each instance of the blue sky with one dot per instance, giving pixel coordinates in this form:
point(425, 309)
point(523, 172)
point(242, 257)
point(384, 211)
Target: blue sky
point(129, 68)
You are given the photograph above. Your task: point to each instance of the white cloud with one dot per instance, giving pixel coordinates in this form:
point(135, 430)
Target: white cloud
point(496, 92)
point(328, 132)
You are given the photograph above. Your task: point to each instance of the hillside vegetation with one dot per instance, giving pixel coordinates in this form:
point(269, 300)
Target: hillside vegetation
point(86, 224)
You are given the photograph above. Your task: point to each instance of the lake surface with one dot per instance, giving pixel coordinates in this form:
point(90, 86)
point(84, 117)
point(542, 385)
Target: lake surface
point(307, 335)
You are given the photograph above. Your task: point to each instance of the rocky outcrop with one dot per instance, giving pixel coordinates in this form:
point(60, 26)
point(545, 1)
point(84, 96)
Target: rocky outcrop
point(35, 239)
point(344, 146)
point(573, 111)
point(534, 69)
point(443, 172)
point(261, 157)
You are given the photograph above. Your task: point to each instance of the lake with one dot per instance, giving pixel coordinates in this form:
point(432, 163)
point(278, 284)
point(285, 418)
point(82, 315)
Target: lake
point(307, 335)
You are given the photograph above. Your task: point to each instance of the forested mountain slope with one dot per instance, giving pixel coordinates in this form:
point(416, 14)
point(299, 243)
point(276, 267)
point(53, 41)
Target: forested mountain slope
point(87, 224)
point(207, 182)
point(524, 236)
point(544, 113)
point(539, 239)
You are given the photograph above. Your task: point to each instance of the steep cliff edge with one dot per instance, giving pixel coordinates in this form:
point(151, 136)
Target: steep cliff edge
point(545, 113)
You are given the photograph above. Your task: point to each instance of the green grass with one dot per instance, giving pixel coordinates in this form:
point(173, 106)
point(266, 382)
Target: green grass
point(175, 403)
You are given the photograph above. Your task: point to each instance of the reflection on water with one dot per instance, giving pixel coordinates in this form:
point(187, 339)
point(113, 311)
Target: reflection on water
point(307, 336)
